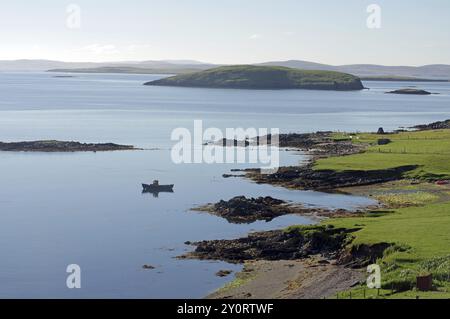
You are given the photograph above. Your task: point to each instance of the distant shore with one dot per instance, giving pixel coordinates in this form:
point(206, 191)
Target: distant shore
point(62, 146)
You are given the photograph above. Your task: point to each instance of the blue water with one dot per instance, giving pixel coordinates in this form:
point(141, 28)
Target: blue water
point(88, 209)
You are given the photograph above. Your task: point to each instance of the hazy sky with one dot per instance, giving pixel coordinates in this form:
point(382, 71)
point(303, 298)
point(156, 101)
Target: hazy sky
point(413, 32)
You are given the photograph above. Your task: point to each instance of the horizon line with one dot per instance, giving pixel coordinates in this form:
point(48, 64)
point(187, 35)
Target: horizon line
point(213, 63)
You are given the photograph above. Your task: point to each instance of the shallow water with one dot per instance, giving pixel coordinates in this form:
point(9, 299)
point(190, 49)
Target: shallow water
point(88, 209)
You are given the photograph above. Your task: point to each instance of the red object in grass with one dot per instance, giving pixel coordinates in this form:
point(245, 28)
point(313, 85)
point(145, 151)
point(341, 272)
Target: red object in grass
point(442, 182)
point(425, 283)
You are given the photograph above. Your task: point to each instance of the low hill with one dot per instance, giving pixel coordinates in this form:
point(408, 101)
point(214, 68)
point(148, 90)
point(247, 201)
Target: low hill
point(127, 70)
point(265, 78)
point(433, 71)
point(399, 79)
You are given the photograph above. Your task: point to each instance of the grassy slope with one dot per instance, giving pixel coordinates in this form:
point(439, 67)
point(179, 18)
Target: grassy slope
point(264, 77)
point(429, 149)
point(422, 233)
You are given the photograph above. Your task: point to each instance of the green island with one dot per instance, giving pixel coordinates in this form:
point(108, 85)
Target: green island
point(263, 78)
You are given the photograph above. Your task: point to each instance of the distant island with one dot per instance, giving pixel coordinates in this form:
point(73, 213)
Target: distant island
point(410, 91)
point(126, 70)
point(390, 78)
point(263, 78)
point(61, 146)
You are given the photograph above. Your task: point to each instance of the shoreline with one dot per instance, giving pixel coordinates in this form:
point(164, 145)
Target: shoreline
point(314, 277)
point(265, 279)
point(311, 278)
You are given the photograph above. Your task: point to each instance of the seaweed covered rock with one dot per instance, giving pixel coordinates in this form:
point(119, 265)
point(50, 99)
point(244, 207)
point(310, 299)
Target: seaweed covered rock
point(242, 209)
point(308, 178)
point(290, 244)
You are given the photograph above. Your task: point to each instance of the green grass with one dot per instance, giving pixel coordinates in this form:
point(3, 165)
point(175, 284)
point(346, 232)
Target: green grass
point(406, 199)
point(422, 238)
point(428, 149)
point(421, 235)
point(264, 77)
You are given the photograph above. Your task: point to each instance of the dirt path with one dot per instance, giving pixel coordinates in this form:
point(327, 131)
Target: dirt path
point(312, 278)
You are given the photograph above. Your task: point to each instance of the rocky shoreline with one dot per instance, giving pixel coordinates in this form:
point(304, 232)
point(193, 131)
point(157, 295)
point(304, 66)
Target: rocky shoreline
point(317, 144)
point(62, 146)
point(290, 244)
point(298, 244)
point(441, 125)
point(307, 178)
point(293, 243)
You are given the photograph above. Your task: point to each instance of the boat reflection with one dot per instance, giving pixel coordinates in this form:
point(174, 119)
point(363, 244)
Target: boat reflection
point(155, 188)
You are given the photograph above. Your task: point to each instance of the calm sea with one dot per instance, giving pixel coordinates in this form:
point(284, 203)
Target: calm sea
point(88, 209)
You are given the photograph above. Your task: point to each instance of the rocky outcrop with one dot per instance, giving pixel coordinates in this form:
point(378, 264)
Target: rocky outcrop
point(59, 146)
point(294, 243)
point(441, 125)
point(319, 143)
point(243, 210)
point(410, 91)
point(308, 178)
point(362, 255)
point(224, 273)
point(246, 210)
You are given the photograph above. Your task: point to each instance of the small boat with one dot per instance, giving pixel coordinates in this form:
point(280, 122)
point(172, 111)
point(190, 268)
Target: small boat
point(156, 187)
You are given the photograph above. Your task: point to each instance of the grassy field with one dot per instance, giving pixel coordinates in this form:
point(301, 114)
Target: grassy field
point(420, 228)
point(428, 149)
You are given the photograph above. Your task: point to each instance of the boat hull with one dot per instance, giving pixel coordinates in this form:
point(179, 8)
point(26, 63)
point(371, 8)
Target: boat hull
point(157, 188)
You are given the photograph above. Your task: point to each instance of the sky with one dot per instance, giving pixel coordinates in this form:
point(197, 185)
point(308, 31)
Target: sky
point(414, 32)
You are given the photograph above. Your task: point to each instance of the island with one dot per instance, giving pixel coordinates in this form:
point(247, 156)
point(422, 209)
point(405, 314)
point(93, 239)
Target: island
point(263, 78)
point(126, 70)
point(393, 78)
point(410, 91)
point(61, 146)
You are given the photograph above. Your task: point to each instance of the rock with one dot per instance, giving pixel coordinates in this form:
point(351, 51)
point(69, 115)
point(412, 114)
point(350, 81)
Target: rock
point(317, 143)
point(362, 255)
point(224, 273)
point(291, 244)
point(410, 91)
point(243, 210)
point(148, 267)
point(230, 175)
point(434, 126)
